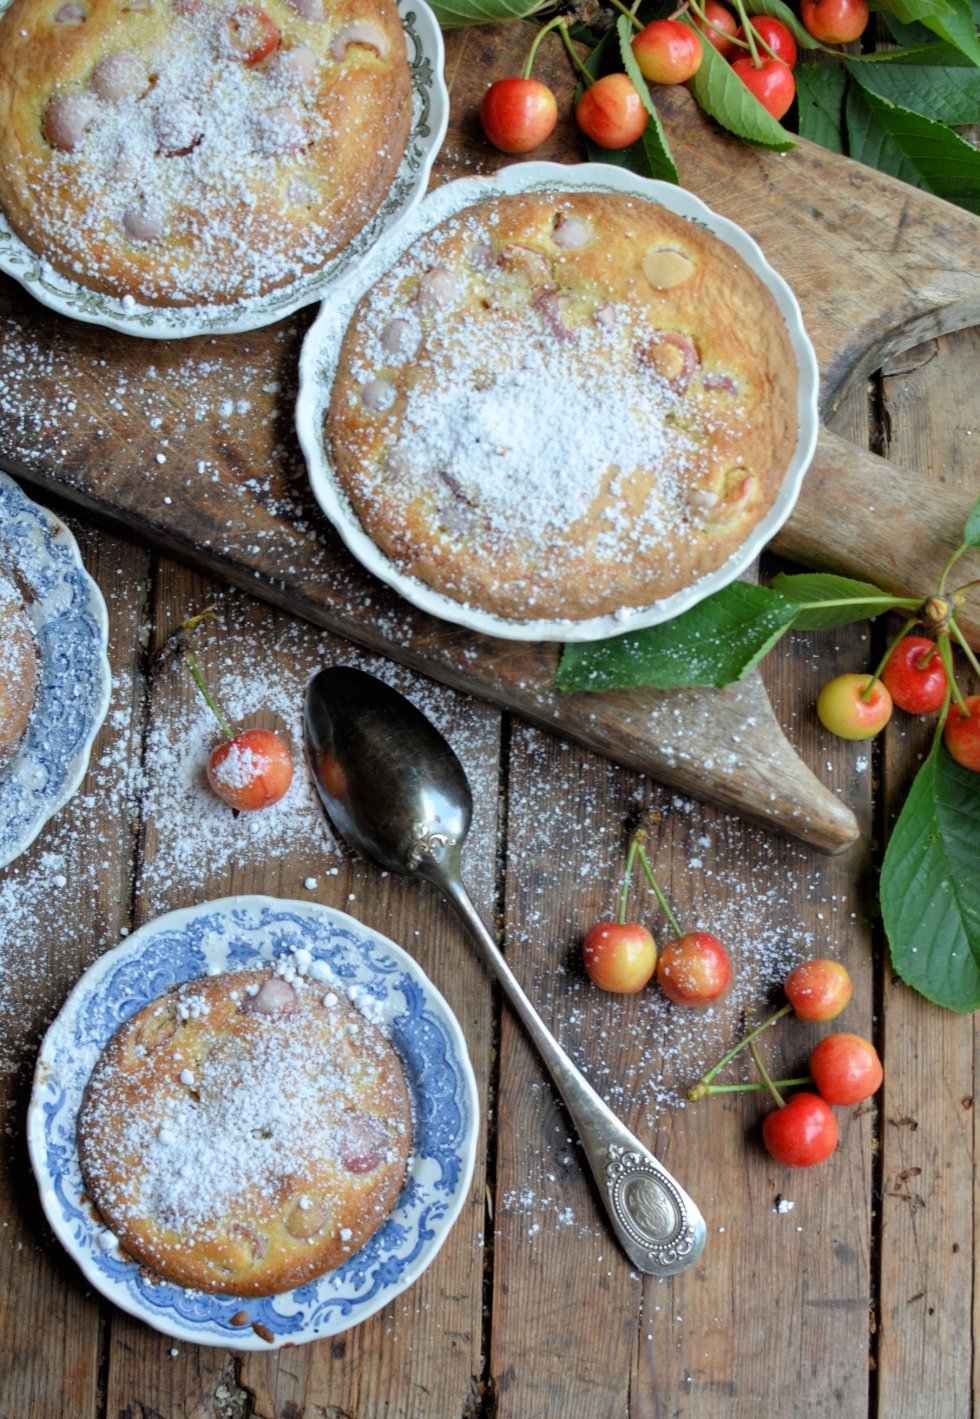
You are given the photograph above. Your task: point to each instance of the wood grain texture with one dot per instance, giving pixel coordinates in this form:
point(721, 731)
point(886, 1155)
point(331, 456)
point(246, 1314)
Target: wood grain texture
point(189, 444)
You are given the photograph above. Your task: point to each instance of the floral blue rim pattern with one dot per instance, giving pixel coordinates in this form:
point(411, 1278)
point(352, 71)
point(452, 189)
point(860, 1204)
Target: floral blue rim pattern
point(430, 117)
point(70, 624)
point(226, 935)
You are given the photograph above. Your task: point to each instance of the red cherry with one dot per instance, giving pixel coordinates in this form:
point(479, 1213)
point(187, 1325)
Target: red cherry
point(694, 969)
point(961, 734)
point(843, 709)
point(771, 82)
point(818, 990)
point(775, 34)
point(667, 52)
point(251, 770)
point(518, 114)
point(619, 956)
point(835, 21)
point(611, 112)
point(802, 1133)
point(251, 35)
point(914, 675)
point(846, 1069)
point(720, 27)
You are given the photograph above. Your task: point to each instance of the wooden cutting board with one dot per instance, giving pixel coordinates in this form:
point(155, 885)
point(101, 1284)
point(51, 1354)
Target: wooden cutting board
point(190, 444)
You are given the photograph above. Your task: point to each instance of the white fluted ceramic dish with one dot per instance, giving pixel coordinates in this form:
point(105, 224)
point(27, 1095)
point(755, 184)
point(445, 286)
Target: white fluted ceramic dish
point(430, 116)
point(320, 354)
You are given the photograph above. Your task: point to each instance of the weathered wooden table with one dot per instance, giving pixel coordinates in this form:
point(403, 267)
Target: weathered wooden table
point(851, 1287)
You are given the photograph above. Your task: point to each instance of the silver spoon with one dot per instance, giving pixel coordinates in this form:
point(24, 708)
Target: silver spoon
point(397, 793)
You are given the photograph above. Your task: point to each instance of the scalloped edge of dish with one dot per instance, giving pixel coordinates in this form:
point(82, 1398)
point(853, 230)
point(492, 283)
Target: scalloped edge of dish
point(318, 362)
point(58, 535)
point(123, 1289)
point(430, 121)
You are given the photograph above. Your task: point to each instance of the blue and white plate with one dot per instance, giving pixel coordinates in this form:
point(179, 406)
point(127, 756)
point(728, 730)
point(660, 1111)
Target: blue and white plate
point(430, 117)
point(71, 631)
point(230, 934)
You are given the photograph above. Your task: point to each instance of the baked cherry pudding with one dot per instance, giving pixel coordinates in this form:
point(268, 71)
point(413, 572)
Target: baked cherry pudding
point(559, 404)
point(246, 1132)
point(189, 152)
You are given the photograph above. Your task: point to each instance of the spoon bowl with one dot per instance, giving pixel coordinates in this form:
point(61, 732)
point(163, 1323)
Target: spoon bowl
point(395, 792)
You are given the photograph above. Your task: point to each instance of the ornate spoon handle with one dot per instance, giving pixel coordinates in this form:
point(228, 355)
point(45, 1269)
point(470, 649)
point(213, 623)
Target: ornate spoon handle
point(657, 1223)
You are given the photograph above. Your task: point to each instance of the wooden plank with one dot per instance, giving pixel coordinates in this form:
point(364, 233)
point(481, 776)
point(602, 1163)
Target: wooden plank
point(928, 1344)
point(94, 414)
point(61, 904)
point(429, 1340)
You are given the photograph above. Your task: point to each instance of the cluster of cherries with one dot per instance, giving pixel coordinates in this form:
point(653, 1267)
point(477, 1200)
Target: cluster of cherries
point(914, 676)
point(520, 114)
point(248, 769)
point(694, 970)
point(621, 956)
point(802, 1131)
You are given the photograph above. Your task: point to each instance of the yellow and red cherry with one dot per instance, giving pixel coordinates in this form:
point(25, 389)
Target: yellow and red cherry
point(694, 969)
point(802, 1133)
point(854, 706)
point(915, 676)
point(818, 990)
point(773, 33)
point(846, 1069)
point(718, 27)
point(770, 81)
point(835, 21)
point(619, 956)
point(251, 770)
point(251, 34)
point(611, 112)
point(518, 114)
point(961, 732)
point(667, 52)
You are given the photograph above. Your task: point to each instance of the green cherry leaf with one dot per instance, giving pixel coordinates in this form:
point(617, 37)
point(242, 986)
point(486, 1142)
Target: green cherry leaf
point(820, 101)
point(830, 600)
point(971, 532)
point(930, 886)
point(914, 149)
point(716, 642)
point(721, 94)
point(948, 95)
point(454, 14)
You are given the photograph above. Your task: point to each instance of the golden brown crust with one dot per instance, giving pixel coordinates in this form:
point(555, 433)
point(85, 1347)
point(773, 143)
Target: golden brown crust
point(561, 404)
point(18, 670)
point(245, 1133)
point(209, 180)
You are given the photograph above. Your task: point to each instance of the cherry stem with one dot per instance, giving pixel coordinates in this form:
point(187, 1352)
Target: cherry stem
point(945, 650)
point(892, 647)
point(665, 905)
point(766, 1077)
point(964, 645)
point(576, 62)
point(757, 1086)
point(209, 699)
point(949, 567)
point(559, 20)
point(698, 1090)
point(749, 32)
point(191, 623)
point(628, 875)
point(623, 10)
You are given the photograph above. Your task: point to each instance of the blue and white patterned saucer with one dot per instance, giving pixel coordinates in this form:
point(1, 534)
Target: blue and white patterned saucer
point(70, 625)
point(229, 934)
